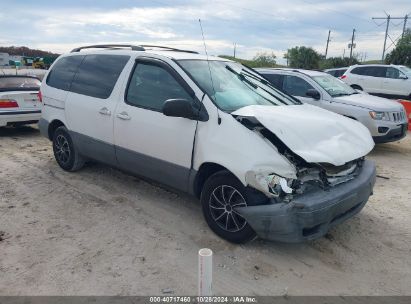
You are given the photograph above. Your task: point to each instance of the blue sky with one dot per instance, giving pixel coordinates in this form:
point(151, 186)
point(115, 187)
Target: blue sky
point(255, 26)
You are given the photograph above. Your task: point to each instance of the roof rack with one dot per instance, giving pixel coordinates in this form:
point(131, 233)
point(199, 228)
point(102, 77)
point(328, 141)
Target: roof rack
point(133, 47)
point(166, 48)
point(108, 46)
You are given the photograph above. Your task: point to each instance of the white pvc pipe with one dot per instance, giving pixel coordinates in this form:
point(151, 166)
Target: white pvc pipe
point(205, 272)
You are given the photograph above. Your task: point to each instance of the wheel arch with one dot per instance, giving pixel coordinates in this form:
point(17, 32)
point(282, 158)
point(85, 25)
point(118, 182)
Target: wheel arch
point(357, 87)
point(204, 172)
point(351, 117)
point(56, 123)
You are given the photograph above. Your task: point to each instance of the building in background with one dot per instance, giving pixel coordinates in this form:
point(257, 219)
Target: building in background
point(4, 59)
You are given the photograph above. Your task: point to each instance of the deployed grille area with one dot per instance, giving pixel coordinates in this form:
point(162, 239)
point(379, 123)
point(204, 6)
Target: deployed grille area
point(340, 174)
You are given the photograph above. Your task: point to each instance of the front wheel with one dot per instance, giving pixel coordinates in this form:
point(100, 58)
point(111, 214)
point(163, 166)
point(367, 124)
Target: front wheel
point(221, 195)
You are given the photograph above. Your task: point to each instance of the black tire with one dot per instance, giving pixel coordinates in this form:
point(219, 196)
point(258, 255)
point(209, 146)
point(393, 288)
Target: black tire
point(357, 87)
point(226, 223)
point(65, 152)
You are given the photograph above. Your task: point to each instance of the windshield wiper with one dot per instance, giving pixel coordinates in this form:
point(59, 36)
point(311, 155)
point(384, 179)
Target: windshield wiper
point(266, 82)
point(242, 77)
point(247, 82)
point(341, 94)
point(262, 79)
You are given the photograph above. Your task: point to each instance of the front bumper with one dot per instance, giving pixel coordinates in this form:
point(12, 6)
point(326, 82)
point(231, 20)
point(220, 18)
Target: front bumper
point(19, 117)
point(392, 135)
point(311, 215)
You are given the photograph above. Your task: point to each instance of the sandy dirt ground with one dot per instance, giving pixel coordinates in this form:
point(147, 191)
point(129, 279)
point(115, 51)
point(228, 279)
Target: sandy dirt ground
point(102, 232)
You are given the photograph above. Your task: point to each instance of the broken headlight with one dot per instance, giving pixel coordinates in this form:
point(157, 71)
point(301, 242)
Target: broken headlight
point(271, 184)
point(278, 184)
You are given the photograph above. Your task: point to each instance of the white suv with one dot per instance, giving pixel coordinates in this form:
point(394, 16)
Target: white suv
point(385, 80)
point(386, 119)
point(259, 160)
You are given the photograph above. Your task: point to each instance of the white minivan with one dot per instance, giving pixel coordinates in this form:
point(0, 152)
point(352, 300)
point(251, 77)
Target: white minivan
point(261, 162)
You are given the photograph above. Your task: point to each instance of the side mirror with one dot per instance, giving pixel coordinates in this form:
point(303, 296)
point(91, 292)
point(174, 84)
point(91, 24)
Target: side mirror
point(402, 76)
point(313, 94)
point(184, 108)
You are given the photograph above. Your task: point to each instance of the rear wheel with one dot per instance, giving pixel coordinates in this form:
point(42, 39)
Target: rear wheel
point(64, 151)
point(221, 195)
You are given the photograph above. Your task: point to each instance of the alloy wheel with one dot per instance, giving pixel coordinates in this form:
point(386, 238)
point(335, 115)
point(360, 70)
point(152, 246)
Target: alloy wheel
point(62, 149)
point(222, 203)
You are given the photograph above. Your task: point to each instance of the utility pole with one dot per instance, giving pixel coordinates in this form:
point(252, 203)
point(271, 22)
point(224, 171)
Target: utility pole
point(352, 44)
point(344, 53)
point(405, 26)
point(385, 39)
point(235, 46)
point(328, 41)
point(388, 19)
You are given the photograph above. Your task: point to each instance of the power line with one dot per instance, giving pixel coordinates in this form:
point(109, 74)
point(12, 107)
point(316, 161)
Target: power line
point(338, 12)
point(387, 19)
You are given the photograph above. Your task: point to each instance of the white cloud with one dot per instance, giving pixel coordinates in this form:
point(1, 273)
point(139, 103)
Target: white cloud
point(255, 26)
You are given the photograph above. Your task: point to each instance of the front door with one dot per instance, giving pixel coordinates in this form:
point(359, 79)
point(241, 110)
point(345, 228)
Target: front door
point(147, 142)
point(395, 83)
point(298, 87)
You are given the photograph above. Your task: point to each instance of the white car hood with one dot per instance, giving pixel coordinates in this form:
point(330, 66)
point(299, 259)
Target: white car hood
point(315, 134)
point(370, 102)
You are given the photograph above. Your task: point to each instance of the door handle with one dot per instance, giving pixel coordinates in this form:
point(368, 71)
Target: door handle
point(105, 111)
point(123, 116)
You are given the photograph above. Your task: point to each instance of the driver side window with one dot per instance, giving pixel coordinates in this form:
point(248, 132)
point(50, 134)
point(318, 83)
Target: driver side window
point(151, 85)
point(296, 86)
point(393, 73)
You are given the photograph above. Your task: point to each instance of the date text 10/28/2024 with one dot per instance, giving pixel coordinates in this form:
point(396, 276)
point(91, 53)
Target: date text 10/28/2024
point(205, 299)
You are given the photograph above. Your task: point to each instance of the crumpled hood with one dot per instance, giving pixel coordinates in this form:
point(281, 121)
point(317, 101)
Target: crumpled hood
point(315, 134)
point(370, 102)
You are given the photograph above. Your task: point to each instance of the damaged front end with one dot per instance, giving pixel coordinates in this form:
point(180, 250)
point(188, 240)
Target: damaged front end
point(314, 198)
point(309, 176)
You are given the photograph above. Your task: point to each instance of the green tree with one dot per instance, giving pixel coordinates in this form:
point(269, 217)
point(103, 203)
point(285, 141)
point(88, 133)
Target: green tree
point(337, 62)
point(260, 60)
point(402, 52)
point(302, 57)
point(264, 59)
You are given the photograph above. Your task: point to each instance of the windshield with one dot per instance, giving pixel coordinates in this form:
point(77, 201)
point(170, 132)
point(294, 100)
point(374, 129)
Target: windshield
point(233, 86)
point(333, 86)
point(405, 70)
point(19, 83)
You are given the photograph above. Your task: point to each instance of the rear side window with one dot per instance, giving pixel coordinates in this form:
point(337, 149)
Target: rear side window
point(275, 80)
point(358, 71)
point(373, 71)
point(151, 85)
point(377, 71)
point(19, 83)
point(98, 74)
point(62, 73)
point(296, 86)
